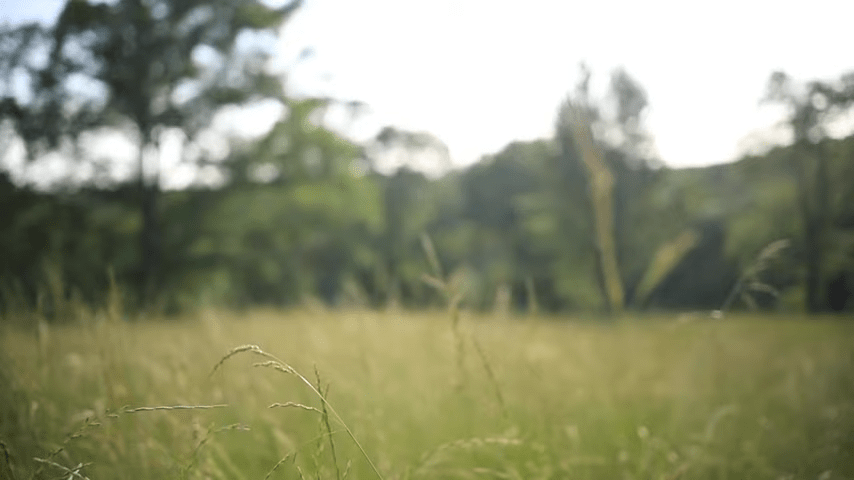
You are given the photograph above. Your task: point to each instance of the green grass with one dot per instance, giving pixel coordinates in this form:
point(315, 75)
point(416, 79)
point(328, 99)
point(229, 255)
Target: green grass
point(641, 398)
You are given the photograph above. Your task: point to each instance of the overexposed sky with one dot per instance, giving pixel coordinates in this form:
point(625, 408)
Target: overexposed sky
point(479, 74)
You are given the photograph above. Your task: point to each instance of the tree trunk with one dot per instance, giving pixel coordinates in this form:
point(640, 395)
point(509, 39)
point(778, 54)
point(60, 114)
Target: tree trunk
point(813, 262)
point(149, 235)
point(822, 192)
point(813, 184)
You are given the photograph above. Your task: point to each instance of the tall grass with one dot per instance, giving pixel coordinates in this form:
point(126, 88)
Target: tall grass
point(279, 365)
point(653, 397)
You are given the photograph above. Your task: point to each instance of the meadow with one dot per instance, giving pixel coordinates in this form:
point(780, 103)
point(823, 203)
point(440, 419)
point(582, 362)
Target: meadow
point(410, 396)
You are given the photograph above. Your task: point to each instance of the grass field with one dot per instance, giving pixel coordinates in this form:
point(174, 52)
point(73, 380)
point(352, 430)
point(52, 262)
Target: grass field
point(640, 398)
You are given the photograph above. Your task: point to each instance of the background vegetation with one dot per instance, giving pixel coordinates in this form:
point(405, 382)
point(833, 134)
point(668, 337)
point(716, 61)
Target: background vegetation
point(124, 299)
point(585, 220)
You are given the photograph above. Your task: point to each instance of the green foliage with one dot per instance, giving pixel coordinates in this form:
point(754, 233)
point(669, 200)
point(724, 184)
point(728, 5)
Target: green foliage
point(811, 109)
point(349, 239)
point(133, 66)
point(305, 216)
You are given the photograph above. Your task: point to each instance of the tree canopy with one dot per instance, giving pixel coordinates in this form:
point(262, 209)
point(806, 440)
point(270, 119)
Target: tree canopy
point(587, 218)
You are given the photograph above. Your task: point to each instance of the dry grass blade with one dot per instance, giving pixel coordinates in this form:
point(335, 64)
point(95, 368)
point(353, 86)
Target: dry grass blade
point(293, 454)
point(435, 283)
point(295, 405)
point(750, 277)
point(347, 469)
point(75, 473)
point(234, 426)
point(285, 368)
point(195, 455)
point(279, 464)
point(325, 418)
point(492, 378)
point(432, 257)
point(601, 195)
point(758, 286)
point(773, 250)
point(80, 432)
point(171, 407)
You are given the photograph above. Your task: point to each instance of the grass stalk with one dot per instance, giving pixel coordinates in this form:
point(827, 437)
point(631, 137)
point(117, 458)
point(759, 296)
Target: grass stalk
point(194, 457)
point(281, 366)
point(292, 454)
point(750, 278)
point(170, 407)
point(490, 374)
point(453, 297)
point(325, 419)
point(80, 432)
point(72, 472)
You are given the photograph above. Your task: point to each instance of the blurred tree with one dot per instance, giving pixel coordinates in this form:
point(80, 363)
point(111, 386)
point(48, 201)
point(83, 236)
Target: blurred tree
point(500, 250)
point(407, 212)
point(54, 247)
point(407, 206)
point(143, 66)
point(630, 102)
point(297, 217)
point(393, 148)
point(811, 108)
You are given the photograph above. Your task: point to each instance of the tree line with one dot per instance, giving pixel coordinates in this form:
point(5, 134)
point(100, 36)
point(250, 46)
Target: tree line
point(587, 219)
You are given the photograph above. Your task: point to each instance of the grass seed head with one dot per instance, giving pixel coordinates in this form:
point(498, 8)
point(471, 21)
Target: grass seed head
point(234, 351)
point(275, 365)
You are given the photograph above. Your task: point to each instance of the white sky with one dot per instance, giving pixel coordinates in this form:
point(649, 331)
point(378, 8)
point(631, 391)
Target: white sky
point(479, 74)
